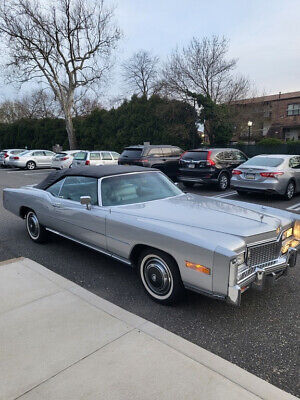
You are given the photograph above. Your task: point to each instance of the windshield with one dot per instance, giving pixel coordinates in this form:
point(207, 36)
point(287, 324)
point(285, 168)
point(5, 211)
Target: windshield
point(81, 155)
point(132, 153)
point(264, 162)
point(136, 188)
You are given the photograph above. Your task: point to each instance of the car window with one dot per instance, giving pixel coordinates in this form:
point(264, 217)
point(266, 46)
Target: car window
point(106, 155)
point(49, 153)
point(136, 188)
point(38, 153)
point(55, 188)
point(156, 152)
point(25, 152)
point(95, 156)
point(76, 186)
point(16, 151)
point(195, 155)
point(115, 155)
point(240, 156)
point(80, 156)
point(264, 161)
point(295, 162)
point(229, 155)
point(167, 151)
point(176, 151)
point(132, 153)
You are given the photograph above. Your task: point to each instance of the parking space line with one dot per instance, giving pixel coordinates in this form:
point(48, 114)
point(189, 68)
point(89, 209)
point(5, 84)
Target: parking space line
point(295, 207)
point(226, 194)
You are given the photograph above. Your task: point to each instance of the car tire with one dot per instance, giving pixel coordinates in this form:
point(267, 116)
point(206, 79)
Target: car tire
point(223, 182)
point(31, 165)
point(290, 191)
point(188, 184)
point(35, 230)
point(160, 276)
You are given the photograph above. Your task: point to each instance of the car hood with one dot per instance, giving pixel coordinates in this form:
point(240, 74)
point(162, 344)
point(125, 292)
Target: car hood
point(207, 213)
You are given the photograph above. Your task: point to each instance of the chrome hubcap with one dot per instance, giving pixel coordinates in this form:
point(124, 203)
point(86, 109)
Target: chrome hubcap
point(157, 276)
point(33, 225)
point(30, 166)
point(223, 182)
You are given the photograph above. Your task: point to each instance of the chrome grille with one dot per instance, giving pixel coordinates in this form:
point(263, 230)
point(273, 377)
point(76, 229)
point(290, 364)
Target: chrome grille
point(263, 254)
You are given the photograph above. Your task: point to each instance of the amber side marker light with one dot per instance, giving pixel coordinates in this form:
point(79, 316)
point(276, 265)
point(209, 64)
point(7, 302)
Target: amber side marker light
point(198, 267)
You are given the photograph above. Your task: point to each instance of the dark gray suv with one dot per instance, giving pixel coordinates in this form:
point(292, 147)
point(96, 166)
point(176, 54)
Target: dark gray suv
point(163, 157)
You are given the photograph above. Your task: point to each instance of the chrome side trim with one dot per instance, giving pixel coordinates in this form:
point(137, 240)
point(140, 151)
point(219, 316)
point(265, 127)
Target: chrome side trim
point(204, 292)
point(123, 260)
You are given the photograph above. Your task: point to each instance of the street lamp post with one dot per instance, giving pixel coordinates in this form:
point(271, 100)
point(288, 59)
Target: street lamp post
point(249, 130)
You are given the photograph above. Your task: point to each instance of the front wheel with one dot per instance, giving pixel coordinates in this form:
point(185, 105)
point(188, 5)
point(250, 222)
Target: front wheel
point(160, 276)
point(223, 182)
point(35, 230)
point(30, 165)
point(290, 191)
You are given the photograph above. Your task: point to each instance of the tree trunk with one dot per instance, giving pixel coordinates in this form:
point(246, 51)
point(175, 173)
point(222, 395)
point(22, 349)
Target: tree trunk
point(71, 132)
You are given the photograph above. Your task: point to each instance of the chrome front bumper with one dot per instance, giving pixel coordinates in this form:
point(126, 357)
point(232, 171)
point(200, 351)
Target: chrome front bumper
point(262, 277)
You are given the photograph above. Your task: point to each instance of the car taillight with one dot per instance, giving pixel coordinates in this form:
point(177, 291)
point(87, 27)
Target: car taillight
point(5, 155)
point(144, 160)
point(16, 158)
point(236, 172)
point(271, 174)
point(87, 162)
point(209, 160)
point(64, 158)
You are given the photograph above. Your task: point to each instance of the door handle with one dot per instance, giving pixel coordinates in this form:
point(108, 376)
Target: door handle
point(57, 205)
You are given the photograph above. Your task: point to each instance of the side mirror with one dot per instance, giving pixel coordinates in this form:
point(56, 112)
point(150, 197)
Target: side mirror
point(86, 201)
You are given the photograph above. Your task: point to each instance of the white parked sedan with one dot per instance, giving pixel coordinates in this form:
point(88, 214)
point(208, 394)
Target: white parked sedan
point(64, 159)
point(5, 154)
point(32, 159)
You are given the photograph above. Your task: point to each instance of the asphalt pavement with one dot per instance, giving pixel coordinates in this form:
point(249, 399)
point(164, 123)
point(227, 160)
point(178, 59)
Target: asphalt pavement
point(261, 336)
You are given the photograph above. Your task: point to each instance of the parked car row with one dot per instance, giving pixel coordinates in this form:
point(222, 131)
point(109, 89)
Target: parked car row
point(224, 167)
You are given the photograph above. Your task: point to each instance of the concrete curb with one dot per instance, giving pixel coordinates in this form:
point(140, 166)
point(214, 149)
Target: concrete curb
point(233, 373)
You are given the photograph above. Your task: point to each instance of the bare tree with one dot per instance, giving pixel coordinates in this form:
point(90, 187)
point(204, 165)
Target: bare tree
point(202, 67)
point(141, 73)
point(67, 44)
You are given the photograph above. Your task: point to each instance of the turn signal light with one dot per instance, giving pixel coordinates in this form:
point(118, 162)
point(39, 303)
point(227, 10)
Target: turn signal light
point(271, 174)
point(198, 267)
point(87, 162)
point(236, 172)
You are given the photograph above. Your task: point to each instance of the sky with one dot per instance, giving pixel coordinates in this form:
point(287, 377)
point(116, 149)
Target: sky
point(264, 36)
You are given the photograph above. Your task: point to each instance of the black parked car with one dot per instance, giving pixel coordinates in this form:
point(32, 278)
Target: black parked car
point(163, 157)
point(209, 166)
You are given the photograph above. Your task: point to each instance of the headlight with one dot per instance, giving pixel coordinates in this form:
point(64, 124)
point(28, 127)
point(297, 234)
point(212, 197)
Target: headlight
point(297, 230)
point(286, 234)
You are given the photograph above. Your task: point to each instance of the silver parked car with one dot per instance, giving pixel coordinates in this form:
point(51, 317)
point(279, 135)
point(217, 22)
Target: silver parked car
point(272, 173)
point(32, 159)
point(5, 154)
point(216, 247)
point(64, 159)
point(95, 158)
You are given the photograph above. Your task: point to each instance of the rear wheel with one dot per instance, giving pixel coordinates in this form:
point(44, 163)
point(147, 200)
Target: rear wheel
point(35, 230)
point(188, 184)
point(290, 191)
point(223, 182)
point(160, 276)
point(31, 165)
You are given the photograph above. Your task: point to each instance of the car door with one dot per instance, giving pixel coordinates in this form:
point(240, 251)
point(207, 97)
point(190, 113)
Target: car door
point(48, 158)
point(39, 157)
point(107, 158)
point(294, 165)
point(73, 219)
point(240, 158)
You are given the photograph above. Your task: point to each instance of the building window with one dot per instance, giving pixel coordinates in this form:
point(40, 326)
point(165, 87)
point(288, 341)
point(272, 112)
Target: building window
point(293, 109)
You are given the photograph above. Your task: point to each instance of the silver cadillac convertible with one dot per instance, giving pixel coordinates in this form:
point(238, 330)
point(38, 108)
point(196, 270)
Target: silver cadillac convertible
point(216, 247)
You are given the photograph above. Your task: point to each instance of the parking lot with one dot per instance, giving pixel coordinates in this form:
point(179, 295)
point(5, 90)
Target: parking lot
point(260, 336)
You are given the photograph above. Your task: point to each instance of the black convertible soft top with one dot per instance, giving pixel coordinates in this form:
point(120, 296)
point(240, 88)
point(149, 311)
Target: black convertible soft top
point(92, 172)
